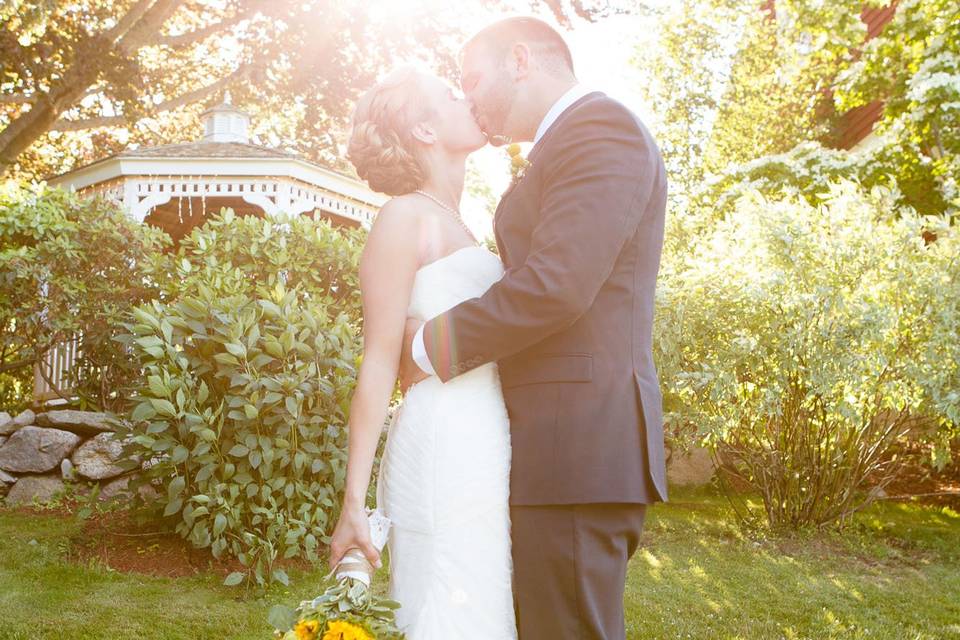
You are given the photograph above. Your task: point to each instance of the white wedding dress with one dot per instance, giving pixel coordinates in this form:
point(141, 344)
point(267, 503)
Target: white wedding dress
point(444, 482)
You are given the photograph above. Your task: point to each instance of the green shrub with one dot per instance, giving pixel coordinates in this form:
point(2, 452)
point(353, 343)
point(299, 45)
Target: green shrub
point(239, 254)
point(248, 378)
point(71, 265)
point(802, 342)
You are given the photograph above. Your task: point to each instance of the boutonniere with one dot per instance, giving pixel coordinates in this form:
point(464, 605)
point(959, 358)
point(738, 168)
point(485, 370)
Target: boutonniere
point(518, 164)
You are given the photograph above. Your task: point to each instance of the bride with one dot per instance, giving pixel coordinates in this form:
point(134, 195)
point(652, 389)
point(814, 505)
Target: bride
point(444, 477)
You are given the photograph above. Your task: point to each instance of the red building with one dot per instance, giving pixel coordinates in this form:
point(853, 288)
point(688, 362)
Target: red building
point(856, 124)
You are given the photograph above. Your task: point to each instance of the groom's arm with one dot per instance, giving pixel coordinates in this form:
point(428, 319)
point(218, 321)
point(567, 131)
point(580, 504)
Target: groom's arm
point(597, 182)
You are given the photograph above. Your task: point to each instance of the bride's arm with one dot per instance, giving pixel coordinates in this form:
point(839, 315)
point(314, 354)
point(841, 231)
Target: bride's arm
point(388, 265)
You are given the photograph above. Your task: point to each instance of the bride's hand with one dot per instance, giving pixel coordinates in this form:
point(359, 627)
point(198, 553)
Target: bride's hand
point(352, 532)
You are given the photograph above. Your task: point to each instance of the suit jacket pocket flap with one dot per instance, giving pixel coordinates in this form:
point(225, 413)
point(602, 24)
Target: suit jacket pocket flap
point(559, 367)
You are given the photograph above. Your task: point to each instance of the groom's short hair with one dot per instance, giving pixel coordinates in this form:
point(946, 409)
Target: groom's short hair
point(498, 37)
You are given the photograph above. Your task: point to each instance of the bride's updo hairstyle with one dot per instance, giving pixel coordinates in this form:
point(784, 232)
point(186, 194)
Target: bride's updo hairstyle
point(381, 146)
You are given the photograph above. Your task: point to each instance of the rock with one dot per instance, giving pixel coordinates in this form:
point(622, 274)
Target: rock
point(67, 470)
point(2, 440)
point(95, 458)
point(118, 487)
point(28, 488)
point(691, 468)
point(6, 478)
point(35, 449)
point(22, 420)
point(4, 419)
point(84, 423)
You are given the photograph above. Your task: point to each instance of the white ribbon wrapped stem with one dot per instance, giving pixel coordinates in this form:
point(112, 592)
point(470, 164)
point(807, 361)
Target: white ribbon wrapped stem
point(354, 563)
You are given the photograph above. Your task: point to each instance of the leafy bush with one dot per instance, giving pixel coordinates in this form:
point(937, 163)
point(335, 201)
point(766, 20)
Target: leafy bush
point(248, 377)
point(71, 265)
point(803, 342)
point(240, 254)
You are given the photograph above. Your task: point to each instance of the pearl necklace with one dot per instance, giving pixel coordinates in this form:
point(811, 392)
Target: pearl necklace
point(454, 212)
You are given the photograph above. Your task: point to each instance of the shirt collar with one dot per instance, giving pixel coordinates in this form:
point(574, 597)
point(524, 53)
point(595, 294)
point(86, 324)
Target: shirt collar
point(573, 94)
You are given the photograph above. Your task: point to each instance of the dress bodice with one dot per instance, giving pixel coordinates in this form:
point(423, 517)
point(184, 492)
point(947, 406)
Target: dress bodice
point(444, 283)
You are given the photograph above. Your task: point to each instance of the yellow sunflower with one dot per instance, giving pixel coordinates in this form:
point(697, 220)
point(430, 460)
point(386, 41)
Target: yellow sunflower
point(342, 630)
point(307, 629)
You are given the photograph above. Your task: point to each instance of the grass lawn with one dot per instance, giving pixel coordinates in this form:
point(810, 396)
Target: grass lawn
point(894, 575)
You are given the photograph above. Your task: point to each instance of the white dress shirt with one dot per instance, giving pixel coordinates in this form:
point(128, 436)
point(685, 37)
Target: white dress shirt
point(573, 94)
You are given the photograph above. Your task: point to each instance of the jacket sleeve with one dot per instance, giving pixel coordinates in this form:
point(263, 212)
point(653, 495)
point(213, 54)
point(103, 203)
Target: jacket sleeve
point(596, 183)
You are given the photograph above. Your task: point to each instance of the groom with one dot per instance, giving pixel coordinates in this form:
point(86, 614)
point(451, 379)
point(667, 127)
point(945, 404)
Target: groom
point(569, 325)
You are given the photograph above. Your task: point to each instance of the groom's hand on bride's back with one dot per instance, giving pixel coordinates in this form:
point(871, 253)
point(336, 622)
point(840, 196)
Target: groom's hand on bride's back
point(410, 373)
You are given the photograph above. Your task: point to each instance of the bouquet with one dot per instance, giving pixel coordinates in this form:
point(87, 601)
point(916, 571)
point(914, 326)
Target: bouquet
point(346, 610)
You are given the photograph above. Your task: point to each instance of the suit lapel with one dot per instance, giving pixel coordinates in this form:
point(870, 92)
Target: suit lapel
point(558, 123)
point(538, 147)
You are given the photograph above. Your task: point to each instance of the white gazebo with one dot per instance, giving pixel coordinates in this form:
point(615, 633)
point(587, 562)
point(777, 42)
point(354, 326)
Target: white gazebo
point(176, 186)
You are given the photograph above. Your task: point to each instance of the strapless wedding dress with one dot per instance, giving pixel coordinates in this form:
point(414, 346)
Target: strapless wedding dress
point(444, 482)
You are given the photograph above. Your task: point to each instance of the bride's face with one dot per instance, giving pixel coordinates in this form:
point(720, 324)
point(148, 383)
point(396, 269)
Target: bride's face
point(452, 119)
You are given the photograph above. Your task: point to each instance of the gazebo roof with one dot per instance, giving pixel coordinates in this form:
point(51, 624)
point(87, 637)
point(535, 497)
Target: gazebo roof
point(206, 150)
point(224, 164)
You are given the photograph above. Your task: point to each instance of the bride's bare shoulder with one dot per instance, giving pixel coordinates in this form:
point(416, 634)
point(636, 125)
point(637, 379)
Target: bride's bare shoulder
point(400, 214)
point(396, 232)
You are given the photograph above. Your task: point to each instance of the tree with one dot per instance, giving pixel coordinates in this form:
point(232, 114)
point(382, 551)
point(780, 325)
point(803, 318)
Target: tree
point(121, 71)
point(914, 67)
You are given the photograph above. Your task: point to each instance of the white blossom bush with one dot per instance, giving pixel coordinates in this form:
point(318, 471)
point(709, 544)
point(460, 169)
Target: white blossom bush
point(803, 341)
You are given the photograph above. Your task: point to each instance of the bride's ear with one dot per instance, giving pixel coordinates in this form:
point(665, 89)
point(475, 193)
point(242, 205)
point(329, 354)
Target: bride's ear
point(425, 133)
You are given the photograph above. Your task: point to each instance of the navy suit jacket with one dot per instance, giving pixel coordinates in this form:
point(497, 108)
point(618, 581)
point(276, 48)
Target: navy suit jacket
point(570, 323)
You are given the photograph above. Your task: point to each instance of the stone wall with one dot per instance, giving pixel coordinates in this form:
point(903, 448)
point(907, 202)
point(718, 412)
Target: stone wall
point(691, 468)
point(40, 452)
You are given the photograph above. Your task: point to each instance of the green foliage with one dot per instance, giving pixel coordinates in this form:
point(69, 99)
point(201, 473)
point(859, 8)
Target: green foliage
point(788, 75)
point(248, 374)
point(242, 254)
point(804, 341)
point(690, 66)
point(782, 76)
point(68, 266)
point(348, 600)
point(913, 66)
point(733, 81)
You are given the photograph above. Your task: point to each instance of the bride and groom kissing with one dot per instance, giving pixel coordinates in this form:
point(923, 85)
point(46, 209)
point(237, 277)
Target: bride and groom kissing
point(519, 467)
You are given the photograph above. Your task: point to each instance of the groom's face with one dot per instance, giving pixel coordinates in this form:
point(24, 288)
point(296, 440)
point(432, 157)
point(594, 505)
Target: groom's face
point(489, 88)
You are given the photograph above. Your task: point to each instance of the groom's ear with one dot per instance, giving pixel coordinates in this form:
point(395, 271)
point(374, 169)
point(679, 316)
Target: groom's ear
point(518, 61)
point(425, 133)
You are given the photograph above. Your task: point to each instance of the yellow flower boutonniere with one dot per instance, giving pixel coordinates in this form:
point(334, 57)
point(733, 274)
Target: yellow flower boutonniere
point(518, 164)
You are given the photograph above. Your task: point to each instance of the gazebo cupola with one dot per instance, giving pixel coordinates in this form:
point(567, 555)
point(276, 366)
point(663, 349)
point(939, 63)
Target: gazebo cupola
point(175, 186)
point(225, 123)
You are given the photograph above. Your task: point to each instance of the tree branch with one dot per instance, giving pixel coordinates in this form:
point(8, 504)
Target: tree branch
point(187, 98)
point(17, 99)
point(148, 26)
point(127, 22)
point(198, 35)
point(20, 98)
point(18, 364)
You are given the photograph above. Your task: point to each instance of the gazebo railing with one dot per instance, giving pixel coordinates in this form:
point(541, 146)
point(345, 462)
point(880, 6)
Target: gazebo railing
point(56, 364)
